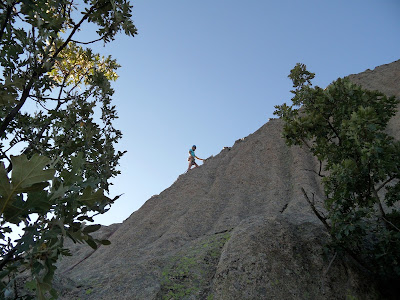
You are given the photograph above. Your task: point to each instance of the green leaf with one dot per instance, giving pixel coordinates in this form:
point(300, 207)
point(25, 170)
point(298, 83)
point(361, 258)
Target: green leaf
point(344, 127)
point(60, 192)
point(105, 242)
point(74, 175)
point(76, 236)
point(91, 228)
point(29, 172)
point(54, 293)
point(38, 202)
point(77, 162)
point(27, 176)
point(80, 143)
point(85, 218)
point(65, 252)
point(31, 285)
point(5, 185)
point(42, 288)
point(14, 213)
point(91, 243)
point(40, 186)
point(90, 198)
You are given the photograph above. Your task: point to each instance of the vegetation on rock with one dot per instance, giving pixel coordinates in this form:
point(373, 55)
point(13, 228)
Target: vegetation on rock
point(59, 153)
point(189, 274)
point(344, 128)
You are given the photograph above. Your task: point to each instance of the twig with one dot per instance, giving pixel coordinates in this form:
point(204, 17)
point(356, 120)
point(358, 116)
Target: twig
point(334, 130)
point(330, 264)
point(75, 28)
point(87, 43)
point(390, 223)
point(49, 98)
point(6, 19)
point(378, 201)
point(320, 169)
point(8, 257)
point(385, 183)
point(11, 115)
point(316, 212)
point(317, 173)
point(305, 143)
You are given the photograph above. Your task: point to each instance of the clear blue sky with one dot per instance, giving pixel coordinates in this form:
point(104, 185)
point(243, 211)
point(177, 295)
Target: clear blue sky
point(210, 72)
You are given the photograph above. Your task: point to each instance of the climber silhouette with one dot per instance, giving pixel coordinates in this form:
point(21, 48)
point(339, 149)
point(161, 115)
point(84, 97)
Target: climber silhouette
point(192, 158)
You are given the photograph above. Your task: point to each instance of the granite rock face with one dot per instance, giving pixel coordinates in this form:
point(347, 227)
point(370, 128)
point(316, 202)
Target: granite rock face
point(237, 227)
point(272, 258)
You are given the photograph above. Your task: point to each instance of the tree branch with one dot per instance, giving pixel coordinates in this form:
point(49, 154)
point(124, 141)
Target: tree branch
point(8, 15)
point(11, 115)
point(75, 28)
point(390, 223)
point(8, 257)
point(78, 83)
point(42, 130)
point(330, 264)
point(317, 173)
point(305, 143)
point(316, 212)
point(378, 201)
point(49, 98)
point(354, 255)
point(4, 155)
point(320, 169)
point(87, 43)
point(28, 87)
point(334, 130)
point(385, 183)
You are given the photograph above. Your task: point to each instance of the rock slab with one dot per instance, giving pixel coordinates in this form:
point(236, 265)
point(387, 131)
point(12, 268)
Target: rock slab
point(237, 227)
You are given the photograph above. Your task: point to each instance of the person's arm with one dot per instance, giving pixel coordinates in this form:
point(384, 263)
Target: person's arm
point(199, 158)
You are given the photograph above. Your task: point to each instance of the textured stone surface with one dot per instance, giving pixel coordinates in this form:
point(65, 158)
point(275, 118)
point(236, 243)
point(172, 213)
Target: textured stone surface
point(237, 227)
point(272, 258)
point(386, 79)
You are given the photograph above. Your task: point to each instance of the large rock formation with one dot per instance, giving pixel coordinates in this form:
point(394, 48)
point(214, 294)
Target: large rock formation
point(237, 227)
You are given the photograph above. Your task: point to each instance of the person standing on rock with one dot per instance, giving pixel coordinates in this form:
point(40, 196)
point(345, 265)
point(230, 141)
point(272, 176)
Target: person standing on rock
point(192, 158)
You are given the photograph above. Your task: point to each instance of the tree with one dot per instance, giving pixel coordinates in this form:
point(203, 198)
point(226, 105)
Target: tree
point(344, 127)
point(57, 155)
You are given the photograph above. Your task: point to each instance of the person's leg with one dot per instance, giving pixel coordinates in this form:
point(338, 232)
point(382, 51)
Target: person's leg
point(195, 165)
point(191, 162)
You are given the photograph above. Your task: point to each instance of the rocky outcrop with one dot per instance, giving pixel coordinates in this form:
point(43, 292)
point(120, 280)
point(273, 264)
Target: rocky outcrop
point(272, 258)
point(237, 227)
point(386, 79)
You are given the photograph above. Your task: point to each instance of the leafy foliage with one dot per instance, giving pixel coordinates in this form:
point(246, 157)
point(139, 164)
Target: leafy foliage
point(59, 153)
point(344, 127)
